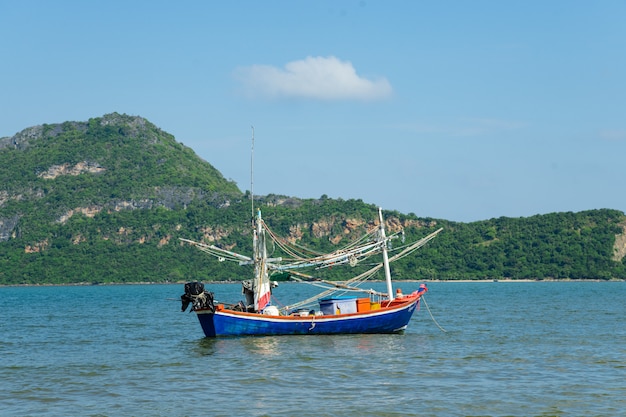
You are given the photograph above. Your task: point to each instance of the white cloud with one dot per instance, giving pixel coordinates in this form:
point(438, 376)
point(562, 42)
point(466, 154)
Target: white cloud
point(321, 78)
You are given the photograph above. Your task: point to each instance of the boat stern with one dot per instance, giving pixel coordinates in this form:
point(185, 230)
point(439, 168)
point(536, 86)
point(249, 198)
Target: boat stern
point(206, 319)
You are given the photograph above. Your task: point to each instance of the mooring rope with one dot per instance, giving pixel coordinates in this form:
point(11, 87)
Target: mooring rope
point(431, 315)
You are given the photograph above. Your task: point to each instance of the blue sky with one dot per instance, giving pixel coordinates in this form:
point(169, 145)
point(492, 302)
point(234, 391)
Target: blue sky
point(460, 110)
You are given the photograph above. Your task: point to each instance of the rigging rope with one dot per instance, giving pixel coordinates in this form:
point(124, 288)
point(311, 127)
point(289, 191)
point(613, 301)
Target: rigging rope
point(343, 255)
point(365, 275)
point(431, 315)
point(299, 252)
point(361, 248)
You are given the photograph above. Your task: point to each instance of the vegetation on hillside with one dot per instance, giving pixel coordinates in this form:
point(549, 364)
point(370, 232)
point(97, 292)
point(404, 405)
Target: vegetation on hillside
point(106, 201)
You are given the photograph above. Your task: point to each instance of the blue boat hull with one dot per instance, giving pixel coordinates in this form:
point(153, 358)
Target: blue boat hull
point(225, 322)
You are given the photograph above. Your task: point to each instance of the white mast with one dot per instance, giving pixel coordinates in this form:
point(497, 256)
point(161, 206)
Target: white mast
point(261, 281)
point(385, 256)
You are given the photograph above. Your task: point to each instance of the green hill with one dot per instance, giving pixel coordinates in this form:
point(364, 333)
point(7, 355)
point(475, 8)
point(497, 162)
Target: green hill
point(106, 201)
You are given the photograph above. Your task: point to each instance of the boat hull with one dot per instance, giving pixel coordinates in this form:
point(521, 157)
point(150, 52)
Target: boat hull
point(224, 322)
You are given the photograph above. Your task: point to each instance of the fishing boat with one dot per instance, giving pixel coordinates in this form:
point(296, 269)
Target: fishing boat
point(361, 311)
point(330, 312)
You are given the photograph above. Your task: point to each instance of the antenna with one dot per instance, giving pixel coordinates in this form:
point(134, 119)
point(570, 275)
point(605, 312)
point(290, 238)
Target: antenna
point(252, 175)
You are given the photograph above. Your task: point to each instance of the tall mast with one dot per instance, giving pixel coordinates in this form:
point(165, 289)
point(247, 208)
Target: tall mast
point(252, 176)
point(385, 256)
point(261, 284)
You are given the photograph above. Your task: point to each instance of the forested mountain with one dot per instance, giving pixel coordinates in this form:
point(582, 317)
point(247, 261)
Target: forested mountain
point(106, 201)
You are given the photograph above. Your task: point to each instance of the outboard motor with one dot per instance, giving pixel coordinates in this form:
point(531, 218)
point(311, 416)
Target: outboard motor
point(197, 297)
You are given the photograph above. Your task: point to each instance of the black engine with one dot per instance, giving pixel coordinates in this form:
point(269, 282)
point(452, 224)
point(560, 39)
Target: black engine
point(196, 295)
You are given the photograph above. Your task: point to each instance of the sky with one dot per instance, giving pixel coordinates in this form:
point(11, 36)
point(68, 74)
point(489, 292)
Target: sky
point(456, 110)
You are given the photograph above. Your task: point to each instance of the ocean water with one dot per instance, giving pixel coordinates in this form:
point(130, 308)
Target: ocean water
point(509, 349)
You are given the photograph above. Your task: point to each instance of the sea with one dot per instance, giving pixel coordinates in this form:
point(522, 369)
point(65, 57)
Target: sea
point(473, 349)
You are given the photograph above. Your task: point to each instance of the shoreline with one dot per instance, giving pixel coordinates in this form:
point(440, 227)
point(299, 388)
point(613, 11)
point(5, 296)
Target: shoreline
point(495, 281)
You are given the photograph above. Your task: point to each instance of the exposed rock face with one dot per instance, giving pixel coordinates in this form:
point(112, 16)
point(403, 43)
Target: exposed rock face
point(7, 225)
point(619, 247)
point(116, 206)
point(78, 239)
point(274, 200)
point(37, 247)
point(5, 196)
point(23, 139)
point(164, 240)
point(322, 228)
point(171, 196)
point(393, 224)
point(135, 125)
point(65, 169)
point(350, 225)
point(86, 211)
point(132, 204)
point(214, 234)
point(295, 233)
